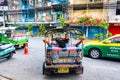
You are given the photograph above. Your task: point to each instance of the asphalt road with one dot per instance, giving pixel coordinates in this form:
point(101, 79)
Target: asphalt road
point(29, 67)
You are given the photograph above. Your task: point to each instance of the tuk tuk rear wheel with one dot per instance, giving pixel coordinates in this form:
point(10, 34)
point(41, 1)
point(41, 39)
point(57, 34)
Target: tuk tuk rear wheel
point(43, 70)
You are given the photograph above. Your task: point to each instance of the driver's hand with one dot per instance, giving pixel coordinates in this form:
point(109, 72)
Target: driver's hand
point(83, 38)
point(45, 41)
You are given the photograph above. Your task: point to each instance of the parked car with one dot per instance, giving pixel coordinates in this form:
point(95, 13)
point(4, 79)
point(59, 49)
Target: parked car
point(6, 50)
point(109, 47)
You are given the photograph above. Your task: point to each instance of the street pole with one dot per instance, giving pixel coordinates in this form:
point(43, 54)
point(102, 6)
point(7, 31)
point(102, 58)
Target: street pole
point(3, 16)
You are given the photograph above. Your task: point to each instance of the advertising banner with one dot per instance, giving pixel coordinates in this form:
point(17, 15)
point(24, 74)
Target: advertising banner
point(3, 3)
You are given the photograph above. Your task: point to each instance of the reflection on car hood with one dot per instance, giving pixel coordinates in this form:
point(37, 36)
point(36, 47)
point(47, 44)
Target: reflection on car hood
point(91, 42)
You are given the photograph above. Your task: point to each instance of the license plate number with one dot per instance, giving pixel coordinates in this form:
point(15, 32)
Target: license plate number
point(63, 70)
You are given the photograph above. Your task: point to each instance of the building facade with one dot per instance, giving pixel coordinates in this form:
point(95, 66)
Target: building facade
point(92, 8)
point(114, 16)
point(48, 11)
point(36, 11)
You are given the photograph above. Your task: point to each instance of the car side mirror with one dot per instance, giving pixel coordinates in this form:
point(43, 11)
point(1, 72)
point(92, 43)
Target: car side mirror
point(107, 41)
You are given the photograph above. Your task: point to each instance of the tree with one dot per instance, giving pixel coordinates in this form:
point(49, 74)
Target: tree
point(86, 20)
point(104, 25)
point(62, 21)
point(30, 28)
point(42, 29)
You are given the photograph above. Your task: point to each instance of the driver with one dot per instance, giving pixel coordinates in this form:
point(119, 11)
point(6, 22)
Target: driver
point(62, 41)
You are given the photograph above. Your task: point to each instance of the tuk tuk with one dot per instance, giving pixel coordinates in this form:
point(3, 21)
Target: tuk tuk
point(60, 57)
point(12, 35)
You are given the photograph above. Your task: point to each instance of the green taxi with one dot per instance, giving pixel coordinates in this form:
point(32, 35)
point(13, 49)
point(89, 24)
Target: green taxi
point(109, 47)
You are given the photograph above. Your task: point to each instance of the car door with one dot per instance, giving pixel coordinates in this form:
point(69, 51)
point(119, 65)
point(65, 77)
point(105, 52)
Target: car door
point(112, 47)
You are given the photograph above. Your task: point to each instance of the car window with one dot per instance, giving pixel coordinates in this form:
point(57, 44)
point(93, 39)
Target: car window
point(115, 40)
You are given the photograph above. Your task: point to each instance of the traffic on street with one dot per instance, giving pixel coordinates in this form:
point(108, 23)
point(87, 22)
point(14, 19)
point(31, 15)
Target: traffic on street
point(29, 66)
point(59, 39)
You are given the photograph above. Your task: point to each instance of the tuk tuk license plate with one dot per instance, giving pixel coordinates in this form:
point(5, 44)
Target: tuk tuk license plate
point(63, 70)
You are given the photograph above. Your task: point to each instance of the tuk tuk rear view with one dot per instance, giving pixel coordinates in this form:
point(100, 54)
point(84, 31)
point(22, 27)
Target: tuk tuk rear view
point(63, 51)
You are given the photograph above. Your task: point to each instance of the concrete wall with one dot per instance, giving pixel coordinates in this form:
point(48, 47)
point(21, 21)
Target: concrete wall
point(113, 18)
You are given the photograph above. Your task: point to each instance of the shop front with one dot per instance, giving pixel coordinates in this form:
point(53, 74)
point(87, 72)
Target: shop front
point(114, 28)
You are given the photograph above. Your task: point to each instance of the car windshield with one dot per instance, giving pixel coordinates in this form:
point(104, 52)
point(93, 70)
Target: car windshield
point(115, 40)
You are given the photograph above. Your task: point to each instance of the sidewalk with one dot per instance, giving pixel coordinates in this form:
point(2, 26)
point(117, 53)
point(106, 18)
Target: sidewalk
point(4, 78)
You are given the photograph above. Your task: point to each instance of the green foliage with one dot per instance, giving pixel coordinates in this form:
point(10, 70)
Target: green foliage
point(104, 25)
point(87, 20)
point(42, 29)
point(62, 21)
point(96, 35)
point(99, 36)
point(109, 34)
point(93, 22)
point(30, 27)
point(84, 19)
point(0, 38)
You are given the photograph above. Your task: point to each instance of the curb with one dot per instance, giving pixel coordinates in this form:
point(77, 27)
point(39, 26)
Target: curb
point(4, 78)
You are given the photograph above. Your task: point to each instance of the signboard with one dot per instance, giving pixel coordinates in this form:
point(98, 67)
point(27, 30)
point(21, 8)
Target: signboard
point(115, 24)
point(3, 3)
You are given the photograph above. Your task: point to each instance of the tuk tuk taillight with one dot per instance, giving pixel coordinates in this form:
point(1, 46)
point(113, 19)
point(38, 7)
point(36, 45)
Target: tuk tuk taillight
point(48, 62)
point(78, 61)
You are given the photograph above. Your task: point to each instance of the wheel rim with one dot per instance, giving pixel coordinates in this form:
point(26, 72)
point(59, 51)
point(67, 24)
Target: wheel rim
point(95, 53)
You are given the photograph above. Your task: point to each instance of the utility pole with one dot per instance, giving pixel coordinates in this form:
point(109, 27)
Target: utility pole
point(3, 16)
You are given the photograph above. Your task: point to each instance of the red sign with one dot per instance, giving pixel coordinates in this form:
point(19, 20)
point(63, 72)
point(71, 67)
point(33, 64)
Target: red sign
point(114, 28)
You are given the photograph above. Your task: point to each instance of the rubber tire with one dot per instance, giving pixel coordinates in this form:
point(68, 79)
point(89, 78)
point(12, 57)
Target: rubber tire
point(43, 69)
point(82, 70)
point(10, 56)
point(95, 53)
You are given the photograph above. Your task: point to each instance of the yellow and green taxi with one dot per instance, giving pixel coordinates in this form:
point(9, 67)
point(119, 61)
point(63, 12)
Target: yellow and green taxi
point(109, 47)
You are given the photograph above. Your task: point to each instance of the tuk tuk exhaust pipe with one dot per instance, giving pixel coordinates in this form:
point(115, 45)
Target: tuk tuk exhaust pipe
point(55, 71)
